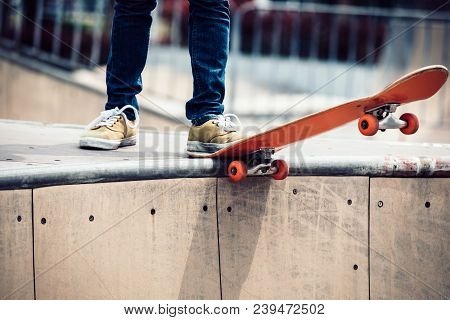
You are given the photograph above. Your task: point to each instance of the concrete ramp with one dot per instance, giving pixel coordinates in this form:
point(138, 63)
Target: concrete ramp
point(354, 220)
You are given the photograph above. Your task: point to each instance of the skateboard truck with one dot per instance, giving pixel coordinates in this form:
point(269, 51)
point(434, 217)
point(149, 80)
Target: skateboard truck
point(382, 118)
point(260, 162)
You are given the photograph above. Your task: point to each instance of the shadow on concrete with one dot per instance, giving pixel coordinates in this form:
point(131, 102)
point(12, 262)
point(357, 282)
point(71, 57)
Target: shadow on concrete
point(239, 225)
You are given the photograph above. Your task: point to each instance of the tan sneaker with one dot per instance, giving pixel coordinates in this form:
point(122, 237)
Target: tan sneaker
point(213, 135)
point(111, 130)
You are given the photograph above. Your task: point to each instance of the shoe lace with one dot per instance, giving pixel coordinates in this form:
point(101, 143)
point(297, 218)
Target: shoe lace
point(225, 122)
point(110, 117)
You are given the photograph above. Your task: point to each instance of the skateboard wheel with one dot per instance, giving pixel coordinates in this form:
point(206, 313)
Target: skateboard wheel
point(237, 170)
point(282, 169)
point(368, 125)
point(412, 123)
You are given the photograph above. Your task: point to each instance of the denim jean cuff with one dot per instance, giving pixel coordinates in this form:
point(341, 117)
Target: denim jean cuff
point(129, 113)
point(203, 119)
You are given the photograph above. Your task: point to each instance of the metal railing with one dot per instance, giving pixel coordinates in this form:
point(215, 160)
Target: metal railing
point(66, 33)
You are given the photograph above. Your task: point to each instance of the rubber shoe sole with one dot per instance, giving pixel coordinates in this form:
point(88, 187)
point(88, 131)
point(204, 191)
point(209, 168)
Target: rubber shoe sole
point(197, 148)
point(105, 144)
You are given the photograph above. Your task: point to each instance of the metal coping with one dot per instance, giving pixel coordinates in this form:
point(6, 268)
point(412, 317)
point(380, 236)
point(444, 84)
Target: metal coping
point(373, 166)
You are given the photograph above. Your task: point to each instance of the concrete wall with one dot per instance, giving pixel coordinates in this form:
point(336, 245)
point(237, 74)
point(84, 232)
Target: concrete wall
point(26, 93)
point(207, 238)
point(410, 238)
point(16, 245)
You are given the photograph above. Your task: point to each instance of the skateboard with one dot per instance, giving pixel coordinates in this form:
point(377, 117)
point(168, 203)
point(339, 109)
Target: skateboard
point(254, 155)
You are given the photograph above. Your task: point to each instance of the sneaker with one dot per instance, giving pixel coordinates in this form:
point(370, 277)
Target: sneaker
point(213, 135)
point(111, 130)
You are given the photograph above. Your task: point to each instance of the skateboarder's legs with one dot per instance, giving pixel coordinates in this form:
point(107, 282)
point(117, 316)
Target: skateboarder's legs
point(209, 27)
point(129, 46)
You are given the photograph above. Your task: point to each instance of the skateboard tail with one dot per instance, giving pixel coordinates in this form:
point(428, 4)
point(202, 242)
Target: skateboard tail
point(418, 85)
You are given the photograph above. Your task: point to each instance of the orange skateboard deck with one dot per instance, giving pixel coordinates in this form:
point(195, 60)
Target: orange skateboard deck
point(253, 155)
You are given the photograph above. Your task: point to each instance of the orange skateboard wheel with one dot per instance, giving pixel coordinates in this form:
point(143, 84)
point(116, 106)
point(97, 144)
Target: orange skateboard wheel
point(412, 123)
point(368, 125)
point(282, 169)
point(237, 170)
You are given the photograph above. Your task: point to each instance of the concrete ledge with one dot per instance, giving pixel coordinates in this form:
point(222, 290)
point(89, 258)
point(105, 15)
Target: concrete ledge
point(41, 176)
point(319, 234)
point(34, 155)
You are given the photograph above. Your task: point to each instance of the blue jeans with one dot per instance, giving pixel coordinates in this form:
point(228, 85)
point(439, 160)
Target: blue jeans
point(209, 28)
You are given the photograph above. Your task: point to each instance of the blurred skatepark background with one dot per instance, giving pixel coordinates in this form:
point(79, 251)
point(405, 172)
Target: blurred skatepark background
point(352, 221)
point(288, 59)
